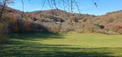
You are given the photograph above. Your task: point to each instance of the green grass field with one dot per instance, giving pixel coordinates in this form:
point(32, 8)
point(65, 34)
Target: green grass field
point(62, 45)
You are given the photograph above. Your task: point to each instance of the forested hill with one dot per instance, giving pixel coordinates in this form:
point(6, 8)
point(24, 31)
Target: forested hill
point(56, 20)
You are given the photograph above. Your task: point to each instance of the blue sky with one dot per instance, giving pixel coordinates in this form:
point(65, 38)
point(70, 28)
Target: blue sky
point(86, 6)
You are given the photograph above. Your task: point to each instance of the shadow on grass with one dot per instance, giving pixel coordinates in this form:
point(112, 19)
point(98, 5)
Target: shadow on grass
point(30, 49)
point(30, 36)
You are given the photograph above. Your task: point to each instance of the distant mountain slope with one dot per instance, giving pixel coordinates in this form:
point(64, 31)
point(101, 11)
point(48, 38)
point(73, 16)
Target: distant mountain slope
point(110, 18)
point(112, 21)
point(56, 20)
point(60, 14)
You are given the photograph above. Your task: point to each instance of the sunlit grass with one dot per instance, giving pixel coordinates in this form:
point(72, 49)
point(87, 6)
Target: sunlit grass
point(87, 40)
point(63, 45)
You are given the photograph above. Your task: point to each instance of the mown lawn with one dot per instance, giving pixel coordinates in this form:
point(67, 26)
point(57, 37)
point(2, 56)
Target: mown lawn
point(62, 45)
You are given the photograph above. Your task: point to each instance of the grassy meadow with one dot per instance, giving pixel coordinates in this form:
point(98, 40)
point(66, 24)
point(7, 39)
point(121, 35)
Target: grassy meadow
point(62, 45)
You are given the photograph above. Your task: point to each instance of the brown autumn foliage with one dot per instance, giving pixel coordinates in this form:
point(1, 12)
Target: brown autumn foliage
point(112, 21)
point(3, 29)
point(62, 21)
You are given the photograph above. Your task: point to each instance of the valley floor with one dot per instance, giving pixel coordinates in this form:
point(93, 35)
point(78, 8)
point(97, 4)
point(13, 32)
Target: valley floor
point(62, 45)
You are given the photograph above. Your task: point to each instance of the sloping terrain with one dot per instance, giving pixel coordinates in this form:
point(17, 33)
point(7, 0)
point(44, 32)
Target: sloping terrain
point(56, 20)
point(112, 21)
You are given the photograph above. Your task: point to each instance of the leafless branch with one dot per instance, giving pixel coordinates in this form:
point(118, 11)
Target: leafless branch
point(77, 6)
point(22, 8)
point(43, 4)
